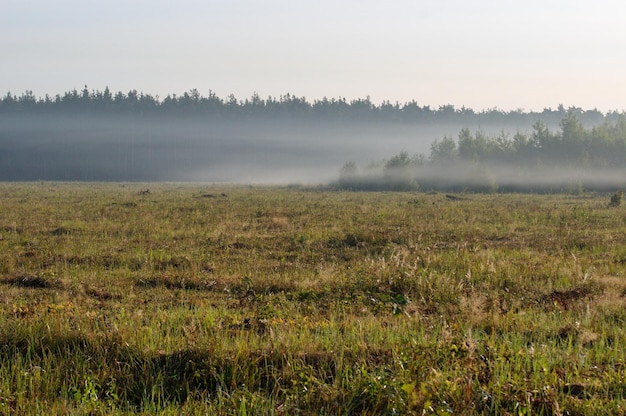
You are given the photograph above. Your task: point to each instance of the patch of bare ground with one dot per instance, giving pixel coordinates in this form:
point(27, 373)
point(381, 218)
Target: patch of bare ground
point(565, 299)
point(61, 231)
point(102, 294)
point(32, 281)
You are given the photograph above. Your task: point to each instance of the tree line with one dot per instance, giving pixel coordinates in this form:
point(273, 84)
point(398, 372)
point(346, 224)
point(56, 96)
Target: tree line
point(101, 135)
point(193, 104)
point(573, 159)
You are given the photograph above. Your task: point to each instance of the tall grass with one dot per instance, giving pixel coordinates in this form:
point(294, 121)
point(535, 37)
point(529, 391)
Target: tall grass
point(239, 300)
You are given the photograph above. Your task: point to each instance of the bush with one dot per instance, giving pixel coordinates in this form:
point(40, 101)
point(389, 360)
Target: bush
point(616, 199)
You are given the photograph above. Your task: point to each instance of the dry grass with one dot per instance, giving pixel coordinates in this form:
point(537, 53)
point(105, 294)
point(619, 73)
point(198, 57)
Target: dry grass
point(296, 301)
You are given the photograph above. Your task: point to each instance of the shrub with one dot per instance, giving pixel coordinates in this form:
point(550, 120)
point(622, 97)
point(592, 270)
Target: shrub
point(616, 199)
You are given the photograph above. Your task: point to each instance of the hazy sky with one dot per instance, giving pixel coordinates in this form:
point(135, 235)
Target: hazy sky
point(481, 54)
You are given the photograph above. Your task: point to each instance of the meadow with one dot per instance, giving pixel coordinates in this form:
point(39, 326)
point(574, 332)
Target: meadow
point(198, 299)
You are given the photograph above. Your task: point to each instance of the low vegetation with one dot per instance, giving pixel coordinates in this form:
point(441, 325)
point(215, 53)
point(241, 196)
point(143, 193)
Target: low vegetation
point(572, 160)
point(242, 300)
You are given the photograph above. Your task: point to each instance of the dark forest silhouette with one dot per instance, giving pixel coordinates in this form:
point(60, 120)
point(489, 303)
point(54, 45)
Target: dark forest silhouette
point(94, 135)
point(192, 103)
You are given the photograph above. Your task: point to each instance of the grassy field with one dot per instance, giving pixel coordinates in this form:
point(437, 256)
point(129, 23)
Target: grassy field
point(240, 300)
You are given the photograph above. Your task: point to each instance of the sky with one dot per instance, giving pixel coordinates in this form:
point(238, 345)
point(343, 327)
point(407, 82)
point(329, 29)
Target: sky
point(481, 54)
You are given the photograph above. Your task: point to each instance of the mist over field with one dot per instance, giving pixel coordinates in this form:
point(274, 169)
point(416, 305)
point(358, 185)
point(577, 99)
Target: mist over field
point(260, 151)
point(95, 136)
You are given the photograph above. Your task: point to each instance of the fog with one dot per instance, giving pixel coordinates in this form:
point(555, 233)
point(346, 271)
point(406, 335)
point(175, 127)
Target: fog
point(127, 148)
point(468, 176)
point(268, 150)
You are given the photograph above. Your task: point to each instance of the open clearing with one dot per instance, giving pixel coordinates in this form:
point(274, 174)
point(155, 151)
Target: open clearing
point(193, 299)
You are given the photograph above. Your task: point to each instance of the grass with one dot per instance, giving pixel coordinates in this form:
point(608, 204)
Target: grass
point(240, 300)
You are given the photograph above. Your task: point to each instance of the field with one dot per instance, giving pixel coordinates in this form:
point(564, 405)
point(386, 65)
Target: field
point(192, 299)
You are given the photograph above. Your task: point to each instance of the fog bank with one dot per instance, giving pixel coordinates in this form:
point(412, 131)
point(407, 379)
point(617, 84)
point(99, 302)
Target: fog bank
point(129, 148)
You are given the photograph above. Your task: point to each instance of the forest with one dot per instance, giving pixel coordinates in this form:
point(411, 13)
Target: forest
point(572, 159)
point(193, 104)
point(93, 135)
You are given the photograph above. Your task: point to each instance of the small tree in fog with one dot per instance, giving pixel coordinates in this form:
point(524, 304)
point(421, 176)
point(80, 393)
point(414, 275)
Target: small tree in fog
point(398, 173)
point(444, 150)
point(349, 174)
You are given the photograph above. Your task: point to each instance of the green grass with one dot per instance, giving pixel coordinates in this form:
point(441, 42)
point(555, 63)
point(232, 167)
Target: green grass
point(248, 300)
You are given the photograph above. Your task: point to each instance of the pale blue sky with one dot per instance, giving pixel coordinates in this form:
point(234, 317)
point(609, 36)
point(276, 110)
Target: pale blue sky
point(480, 54)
